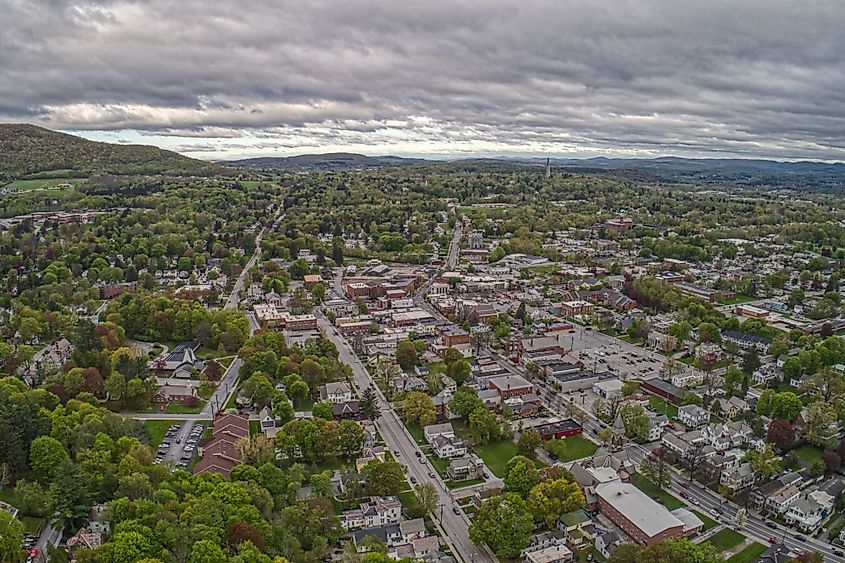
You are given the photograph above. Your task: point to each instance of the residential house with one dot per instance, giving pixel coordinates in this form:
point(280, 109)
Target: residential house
point(808, 513)
point(551, 554)
point(465, 468)
point(605, 543)
point(377, 511)
point(443, 441)
point(221, 454)
point(738, 478)
point(693, 416)
point(578, 528)
point(336, 392)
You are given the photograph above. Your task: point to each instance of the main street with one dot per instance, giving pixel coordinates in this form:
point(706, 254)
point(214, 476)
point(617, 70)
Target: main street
point(405, 449)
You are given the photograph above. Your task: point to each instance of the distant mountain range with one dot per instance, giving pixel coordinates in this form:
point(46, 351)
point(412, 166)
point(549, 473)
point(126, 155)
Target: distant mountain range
point(27, 150)
point(328, 161)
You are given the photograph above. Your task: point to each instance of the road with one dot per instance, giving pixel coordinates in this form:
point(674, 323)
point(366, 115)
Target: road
point(48, 534)
point(455, 526)
point(234, 297)
point(455, 245)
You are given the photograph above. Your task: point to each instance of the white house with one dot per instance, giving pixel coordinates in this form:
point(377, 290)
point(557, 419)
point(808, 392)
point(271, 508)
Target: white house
point(693, 416)
point(336, 393)
point(378, 511)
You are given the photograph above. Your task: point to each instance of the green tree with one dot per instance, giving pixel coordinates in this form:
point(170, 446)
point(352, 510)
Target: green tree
point(504, 524)
point(551, 498)
point(765, 463)
point(369, 404)
point(384, 477)
point(46, 455)
point(656, 468)
point(34, 498)
point(418, 407)
point(786, 405)
point(206, 551)
point(520, 475)
point(73, 495)
point(635, 421)
point(483, 426)
point(322, 410)
point(406, 355)
point(352, 437)
point(427, 497)
point(528, 442)
point(465, 402)
point(11, 538)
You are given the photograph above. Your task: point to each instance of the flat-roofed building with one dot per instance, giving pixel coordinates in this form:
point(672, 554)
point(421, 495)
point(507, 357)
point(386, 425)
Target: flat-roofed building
point(644, 520)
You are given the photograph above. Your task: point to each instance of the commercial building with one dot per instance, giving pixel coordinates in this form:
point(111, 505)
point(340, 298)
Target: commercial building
point(644, 520)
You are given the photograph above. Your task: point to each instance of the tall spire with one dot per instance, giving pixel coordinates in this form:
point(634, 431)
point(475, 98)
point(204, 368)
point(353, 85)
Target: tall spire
point(548, 168)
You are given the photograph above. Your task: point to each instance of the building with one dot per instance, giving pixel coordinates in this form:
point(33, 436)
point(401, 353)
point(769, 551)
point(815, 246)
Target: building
point(556, 429)
point(511, 386)
point(666, 390)
point(644, 520)
point(443, 441)
point(661, 341)
point(336, 393)
point(465, 468)
point(180, 362)
point(693, 416)
point(738, 478)
point(221, 454)
point(551, 554)
point(608, 388)
point(378, 511)
point(575, 308)
point(310, 280)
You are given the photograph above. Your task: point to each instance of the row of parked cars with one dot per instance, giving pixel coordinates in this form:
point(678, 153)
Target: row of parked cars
point(29, 541)
point(190, 449)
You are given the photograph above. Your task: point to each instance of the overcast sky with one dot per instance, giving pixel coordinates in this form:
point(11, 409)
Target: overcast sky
point(218, 79)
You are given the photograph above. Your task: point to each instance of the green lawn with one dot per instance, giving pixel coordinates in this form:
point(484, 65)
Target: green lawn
point(571, 448)
point(179, 408)
point(156, 429)
point(661, 405)
point(440, 465)
point(708, 522)
point(462, 484)
point(725, 539)
point(663, 497)
point(809, 454)
point(416, 431)
point(738, 300)
point(10, 496)
point(254, 427)
point(31, 524)
point(581, 556)
point(496, 456)
point(749, 555)
point(43, 183)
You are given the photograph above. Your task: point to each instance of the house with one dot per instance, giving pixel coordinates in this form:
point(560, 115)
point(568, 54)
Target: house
point(443, 440)
point(411, 383)
point(310, 280)
point(809, 512)
point(688, 378)
point(344, 411)
point(377, 511)
point(606, 543)
point(732, 407)
point(85, 539)
point(730, 435)
point(556, 429)
point(640, 517)
point(708, 353)
point(661, 341)
point(578, 528)
point(693, 416)
point(738, 478)
point(465, 468)
point(388, 535)
point(336, 392)
point(576, 308)
point(174, 390)
point(746, 341)
point(608, 388)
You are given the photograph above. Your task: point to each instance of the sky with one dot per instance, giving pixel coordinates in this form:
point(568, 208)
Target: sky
point(438, 78)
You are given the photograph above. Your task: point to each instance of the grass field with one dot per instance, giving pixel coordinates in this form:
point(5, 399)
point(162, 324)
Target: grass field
point(571, 448)
point(179, 408)
point(708, 522)
point(440, 465)
point(462, 484)
point(416, 431)
point(496, 456)
point(9, 496)
point(156, 429)
point(31, 524)
point(649, 488)
point(750, 554)
point(725, 539)
point(661, 405)
point(809, 454)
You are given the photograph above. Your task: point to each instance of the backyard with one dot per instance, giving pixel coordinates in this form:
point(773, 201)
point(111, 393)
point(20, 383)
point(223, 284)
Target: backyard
point(661, 405)
point(750, 554)
point(497, 455)
point(809, 454)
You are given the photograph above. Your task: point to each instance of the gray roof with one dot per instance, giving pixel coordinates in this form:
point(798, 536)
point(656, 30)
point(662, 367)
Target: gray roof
point(636, 506)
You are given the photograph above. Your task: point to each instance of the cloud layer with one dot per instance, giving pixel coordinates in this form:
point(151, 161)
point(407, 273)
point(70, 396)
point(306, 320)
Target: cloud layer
point(628, 77)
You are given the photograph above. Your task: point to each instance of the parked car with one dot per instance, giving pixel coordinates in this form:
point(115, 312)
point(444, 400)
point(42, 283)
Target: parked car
point(773, 541)
point(772, 525)
point(799, 537)
point(838, 553)
point(696, 502)
point(456, 510)
point(684, 494)
point(431, 474)
point(413, 480)
point(418, 453)
point(713, 512)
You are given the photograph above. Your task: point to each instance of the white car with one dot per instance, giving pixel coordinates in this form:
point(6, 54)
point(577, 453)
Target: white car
point(713, 512)
point(696, 502)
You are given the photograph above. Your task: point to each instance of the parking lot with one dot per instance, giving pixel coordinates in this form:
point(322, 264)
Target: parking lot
point(179, 445)
point(600, 352)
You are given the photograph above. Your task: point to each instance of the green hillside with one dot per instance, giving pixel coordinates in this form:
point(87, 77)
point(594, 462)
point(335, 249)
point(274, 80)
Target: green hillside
point(27, 150)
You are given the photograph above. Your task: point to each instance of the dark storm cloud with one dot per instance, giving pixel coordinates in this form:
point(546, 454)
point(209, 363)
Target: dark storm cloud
point(756, 78)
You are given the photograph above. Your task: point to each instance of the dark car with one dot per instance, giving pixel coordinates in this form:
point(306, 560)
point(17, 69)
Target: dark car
point(799, 537)
point(418, 453)
point(772, 525)
point(838, 553)
point(413, 480)
point(456, 510)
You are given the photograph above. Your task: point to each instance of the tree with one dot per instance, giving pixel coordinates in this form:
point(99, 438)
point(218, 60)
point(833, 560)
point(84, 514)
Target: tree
point(11, 538)
point(298, 390)
point(322, 410)
point(465, 402)
point(750, 361)
point(427, 497)
point(605, 435)
point(786, 405)
point(46, 455)
point(818, 418)
point(765, 463)
point(282, 409)
point(781, 433)
point(368, 405)
point(708, 332)
point(741, 517)
point(630, 388)
point(418, 407)
point(764, 402)
point(520, 475)
point(551, 498)
point(34, 498)
point(352, 437)
point(384, 478)
point(259, 388)
point(636, 422)
point(681, 330)
point(825, 385)
point(406, 355)
point(656, 468)
point(458, 371)
point(483, 426)
point(504, 524)
point(240, 532)
point(207, 551)
point(832, 462)
point(792, 368)
point(528, 442)
point(72, 492)
point(733, 380)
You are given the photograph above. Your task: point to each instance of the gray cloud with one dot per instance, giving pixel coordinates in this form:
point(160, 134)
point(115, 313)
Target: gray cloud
point(648, 77)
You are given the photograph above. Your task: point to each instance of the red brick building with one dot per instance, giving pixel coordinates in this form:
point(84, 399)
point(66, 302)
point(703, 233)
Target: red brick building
point(644, 520)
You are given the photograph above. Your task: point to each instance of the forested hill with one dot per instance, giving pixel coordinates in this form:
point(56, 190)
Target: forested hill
point(28, 149)
point(329, 161)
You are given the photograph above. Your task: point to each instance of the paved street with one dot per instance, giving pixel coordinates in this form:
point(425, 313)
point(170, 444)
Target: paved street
point(404, 448)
